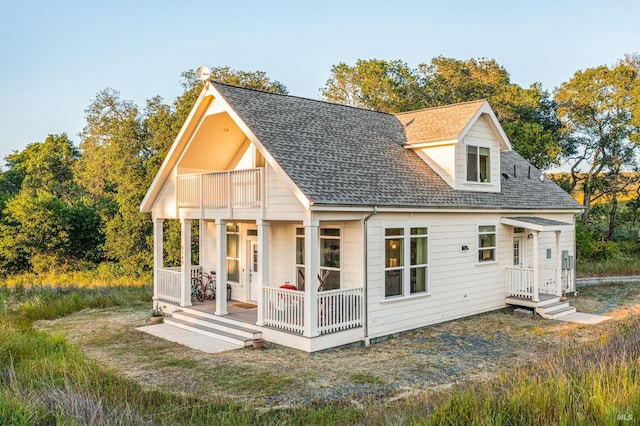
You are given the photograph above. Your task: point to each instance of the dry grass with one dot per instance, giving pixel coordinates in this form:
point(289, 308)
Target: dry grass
point(423, 361)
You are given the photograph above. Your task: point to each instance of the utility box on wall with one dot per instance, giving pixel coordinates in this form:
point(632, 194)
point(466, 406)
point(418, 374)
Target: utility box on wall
point(567, 261)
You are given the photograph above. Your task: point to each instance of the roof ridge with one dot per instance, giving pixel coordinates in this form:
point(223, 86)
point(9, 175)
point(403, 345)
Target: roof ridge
point(286, 95)
point(442, 106)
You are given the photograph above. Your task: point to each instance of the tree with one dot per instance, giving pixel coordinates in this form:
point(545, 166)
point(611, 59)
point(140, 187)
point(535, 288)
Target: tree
point(387, 86)
point(527, 115)
point(45, 226)
point(599, 112)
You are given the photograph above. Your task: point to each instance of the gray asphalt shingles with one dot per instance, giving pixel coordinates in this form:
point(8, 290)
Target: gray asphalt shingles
point(340, 155)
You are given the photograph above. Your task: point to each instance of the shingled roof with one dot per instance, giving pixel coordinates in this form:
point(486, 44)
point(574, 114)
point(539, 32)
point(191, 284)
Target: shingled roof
point(438, 124)
point(340, 155)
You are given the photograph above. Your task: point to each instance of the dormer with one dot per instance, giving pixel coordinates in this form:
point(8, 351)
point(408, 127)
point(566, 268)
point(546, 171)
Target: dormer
point(460, 142)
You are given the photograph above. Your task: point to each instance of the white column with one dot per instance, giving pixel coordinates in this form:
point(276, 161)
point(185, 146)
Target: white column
point(185, 250)
point(158, 255)
point(311, 263)
point(202, 232)
point(558, 266)
point(536, 266)
point(221, 254)
point(264, 229)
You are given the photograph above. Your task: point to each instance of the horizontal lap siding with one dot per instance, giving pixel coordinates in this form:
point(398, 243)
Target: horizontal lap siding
point(459, 286)
point(165, 205)
point(281, 203)
point(282, 255)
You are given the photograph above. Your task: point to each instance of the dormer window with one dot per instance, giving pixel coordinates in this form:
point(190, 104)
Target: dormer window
point(478, 164)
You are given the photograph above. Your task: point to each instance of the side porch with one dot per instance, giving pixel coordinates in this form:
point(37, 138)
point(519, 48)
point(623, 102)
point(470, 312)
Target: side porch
point(543, 266)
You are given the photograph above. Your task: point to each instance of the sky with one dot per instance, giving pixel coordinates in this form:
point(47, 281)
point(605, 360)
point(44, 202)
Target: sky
point(55, 56)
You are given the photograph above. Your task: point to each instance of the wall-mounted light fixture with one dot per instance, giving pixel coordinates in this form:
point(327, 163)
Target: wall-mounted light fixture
point(530, 236)
point(465, 248)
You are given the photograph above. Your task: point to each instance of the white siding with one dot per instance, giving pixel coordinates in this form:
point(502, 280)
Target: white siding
point(282, 204)
point(352, 256)
point(165, 205)
point(459, 286)
point(282, 257)
point(208, 245)
point(480, 134)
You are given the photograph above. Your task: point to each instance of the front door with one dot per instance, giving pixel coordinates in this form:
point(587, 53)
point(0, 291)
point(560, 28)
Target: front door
point(518, 261)
point(252, 270)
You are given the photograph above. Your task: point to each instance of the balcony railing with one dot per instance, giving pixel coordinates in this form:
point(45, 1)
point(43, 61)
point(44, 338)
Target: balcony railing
point(219, 190)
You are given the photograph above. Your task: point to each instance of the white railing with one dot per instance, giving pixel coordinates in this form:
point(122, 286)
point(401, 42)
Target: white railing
point(520, 282)
point(284, 309)
point(170, 283)
point(232, 188)
point(340, 309)
point(548, 280)
point(169, 286)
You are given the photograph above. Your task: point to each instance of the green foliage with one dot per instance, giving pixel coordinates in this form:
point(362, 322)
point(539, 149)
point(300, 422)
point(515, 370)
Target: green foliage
point(388, 86)
point(528, 115)
point(600, 115)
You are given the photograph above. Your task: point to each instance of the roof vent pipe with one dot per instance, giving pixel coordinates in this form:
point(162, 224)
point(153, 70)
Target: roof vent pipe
point(514, 171)
point(529, 173)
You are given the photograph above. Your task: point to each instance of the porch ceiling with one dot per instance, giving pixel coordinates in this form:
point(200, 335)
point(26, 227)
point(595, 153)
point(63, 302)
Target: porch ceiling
point(536, 223)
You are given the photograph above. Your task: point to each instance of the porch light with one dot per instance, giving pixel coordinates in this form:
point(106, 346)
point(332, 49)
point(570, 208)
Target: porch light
point(530, 236)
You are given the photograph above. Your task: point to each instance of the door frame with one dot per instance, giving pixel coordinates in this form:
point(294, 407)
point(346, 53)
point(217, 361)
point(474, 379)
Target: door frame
point(521, 251)
point(251, 267)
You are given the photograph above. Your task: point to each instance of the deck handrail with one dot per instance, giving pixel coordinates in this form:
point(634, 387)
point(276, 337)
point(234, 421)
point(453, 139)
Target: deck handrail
point(226, 189)
point(520, 281)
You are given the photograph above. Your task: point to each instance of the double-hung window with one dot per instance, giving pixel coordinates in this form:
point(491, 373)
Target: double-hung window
point(406, 261)
point(478, 164)
point(300, 258)
point(486, 243)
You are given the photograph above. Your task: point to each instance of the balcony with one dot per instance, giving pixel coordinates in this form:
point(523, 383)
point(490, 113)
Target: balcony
point(221, 190)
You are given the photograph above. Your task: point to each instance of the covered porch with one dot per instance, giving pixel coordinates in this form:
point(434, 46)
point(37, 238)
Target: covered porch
point(265, 264)
point(548, 269)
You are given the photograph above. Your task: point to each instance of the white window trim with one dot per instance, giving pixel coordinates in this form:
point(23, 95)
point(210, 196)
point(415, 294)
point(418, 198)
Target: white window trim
point(296, 265)
point(466, 165)
point(406, 284)
point(495, 247)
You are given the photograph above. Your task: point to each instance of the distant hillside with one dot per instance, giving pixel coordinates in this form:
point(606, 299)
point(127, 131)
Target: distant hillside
point(632, 190)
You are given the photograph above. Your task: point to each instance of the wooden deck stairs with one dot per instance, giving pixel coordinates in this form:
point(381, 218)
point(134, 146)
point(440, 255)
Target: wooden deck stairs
point(549, 306)
point(217, 327)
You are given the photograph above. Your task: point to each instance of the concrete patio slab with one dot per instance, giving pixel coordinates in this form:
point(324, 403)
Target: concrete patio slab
point(188, 338)
point(582, 318)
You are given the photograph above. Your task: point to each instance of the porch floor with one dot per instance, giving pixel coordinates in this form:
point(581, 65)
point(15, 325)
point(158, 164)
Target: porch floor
point(523, 301)
point(234, 308)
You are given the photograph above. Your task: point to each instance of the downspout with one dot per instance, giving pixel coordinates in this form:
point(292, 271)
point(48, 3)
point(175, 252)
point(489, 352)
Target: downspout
point(365, 319)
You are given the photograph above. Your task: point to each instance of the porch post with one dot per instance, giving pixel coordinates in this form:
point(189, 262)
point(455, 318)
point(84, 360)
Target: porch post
point(185, 248)
point(559, 286)
point(536, 266)
point(158, 254)
point(221, 254)
point(263, 264)
point(311, 262)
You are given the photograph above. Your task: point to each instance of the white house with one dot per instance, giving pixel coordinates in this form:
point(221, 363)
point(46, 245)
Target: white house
point(382, 223)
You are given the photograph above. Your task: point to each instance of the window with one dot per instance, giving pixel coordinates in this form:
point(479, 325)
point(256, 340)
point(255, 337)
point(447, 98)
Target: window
point(478, 164)
point(233, 253)
point(300, 258)
point(486, 243)
point(330, 257)
point(405, 271)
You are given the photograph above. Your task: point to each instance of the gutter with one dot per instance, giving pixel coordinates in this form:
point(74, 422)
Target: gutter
point(365, 319)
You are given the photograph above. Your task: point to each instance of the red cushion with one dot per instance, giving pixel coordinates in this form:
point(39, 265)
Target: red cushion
point(289, 287)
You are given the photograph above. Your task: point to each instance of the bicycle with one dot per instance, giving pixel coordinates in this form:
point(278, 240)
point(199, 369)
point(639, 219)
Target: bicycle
point(208, 287)
point(196, 289)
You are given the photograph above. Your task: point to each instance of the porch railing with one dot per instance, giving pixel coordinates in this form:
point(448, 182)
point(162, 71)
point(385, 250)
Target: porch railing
point(338, 310)
point(520, 282)
point(232, 188)
point(284, 309)
point(169, 283)
point(169, 287)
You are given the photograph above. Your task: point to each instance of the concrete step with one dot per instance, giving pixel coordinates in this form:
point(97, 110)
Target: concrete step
point(214, 323)
point(219, 319)
point(211, 332)
point(560, 310)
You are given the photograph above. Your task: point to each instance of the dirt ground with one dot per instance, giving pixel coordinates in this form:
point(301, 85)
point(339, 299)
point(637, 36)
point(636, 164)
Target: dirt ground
point(474, 348)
